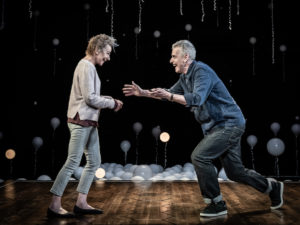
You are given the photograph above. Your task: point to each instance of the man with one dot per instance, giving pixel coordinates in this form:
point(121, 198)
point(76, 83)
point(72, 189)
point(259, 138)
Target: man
point(84, 108)
point(222, 122)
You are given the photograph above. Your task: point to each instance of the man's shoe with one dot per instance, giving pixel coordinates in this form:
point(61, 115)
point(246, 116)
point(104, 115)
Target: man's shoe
point(215, 209)
point(81, 211)
point(52, 214)
point(276, 195)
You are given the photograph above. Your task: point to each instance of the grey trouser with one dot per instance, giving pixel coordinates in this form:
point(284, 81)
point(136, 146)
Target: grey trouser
point(82, 139)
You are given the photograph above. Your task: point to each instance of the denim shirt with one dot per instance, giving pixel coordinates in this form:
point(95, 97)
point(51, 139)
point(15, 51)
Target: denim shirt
point(208, 98)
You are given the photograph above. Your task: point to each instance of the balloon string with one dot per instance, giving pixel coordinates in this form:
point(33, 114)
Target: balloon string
point(30, 9)
point(156, 149)
point(166, 154)
point(202, 9)
point(252, 156)
point(297, 160)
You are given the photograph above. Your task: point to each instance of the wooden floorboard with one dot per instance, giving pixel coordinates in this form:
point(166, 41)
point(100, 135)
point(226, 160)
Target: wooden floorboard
point(26, 202)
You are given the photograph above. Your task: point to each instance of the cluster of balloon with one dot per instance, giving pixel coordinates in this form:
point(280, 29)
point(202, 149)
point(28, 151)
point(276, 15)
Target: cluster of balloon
point(156, 132)
point(137, 127)
point(276, 147)
point(275, 127)
point(165, 137)
point(252, 140)
point(10, 154)
point(55, 122)
point(296, 130)
point(125, 146)
point(37, 142)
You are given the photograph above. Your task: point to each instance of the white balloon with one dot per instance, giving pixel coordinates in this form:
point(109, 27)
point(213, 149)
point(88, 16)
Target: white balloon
point(125, 145)
point(137, 127)
point(55, 122)
point(136, 30)
point(188, 27)
point(44, 177)
point(156, 34)
point(126, 176)
point(252, 40)
point(252, 140)
point(156, 132)
point(78, 171)
point(37, 142)
point(55, 41)
point(296, 129)
point(143, 171)
point(222, 174)
point(275, 127)
point(282, 48)
point(275, 146)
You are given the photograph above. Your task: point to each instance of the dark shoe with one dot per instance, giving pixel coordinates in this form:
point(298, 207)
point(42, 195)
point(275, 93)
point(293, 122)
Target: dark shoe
point(276, 195)
point(78, 210)
point(215, 209)
point(52, 214)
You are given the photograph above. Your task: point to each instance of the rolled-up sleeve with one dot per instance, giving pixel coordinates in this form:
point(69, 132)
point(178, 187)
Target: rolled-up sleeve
point(201, 89)
point(176, 88)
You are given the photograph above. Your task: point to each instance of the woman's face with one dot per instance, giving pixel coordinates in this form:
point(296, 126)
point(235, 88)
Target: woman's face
point(103, 55)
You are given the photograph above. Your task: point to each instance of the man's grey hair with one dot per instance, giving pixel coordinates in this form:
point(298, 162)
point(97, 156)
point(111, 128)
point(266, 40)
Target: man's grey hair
point(187, 48)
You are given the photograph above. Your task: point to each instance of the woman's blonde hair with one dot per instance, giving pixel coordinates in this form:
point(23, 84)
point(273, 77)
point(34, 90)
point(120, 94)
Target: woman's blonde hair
point(99, 42)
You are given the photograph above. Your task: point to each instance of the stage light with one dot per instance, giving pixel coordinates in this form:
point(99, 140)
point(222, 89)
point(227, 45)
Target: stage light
point(164, 137)
point(10, 154)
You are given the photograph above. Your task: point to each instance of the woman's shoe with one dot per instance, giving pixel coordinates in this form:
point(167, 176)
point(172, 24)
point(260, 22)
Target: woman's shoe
point(52, 214)
point(78, 210)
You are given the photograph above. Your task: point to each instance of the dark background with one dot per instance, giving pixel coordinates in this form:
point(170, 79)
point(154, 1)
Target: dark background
point(36, 76)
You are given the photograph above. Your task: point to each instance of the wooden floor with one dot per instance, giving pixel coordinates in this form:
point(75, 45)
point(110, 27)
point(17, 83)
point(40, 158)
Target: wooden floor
point(146, 203)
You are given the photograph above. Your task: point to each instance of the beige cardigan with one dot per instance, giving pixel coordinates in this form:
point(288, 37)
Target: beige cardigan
point(85, 95)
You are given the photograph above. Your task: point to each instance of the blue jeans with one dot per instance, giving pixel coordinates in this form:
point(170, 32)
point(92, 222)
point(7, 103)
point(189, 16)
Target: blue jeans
point(223, 143)
point(82, 139)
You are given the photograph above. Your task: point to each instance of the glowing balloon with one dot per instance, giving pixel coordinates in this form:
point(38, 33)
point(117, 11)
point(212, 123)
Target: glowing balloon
point(296, 129)
point(10, 154)
point(282, 48)
point(55, 41)
point(125, 146)
point(136, 30)
point(275, 127)
point(164, 137)
point(275, 146)
point(252, 140)
point(137, 127)
point(156, 132)
point(252, 40)
point(37, 142)
point(55, 122)
point(188, 27)
point(100, 173)
point(143, 171)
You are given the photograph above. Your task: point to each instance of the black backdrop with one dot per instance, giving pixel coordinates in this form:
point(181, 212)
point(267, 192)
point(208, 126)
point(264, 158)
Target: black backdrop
point(36, 75)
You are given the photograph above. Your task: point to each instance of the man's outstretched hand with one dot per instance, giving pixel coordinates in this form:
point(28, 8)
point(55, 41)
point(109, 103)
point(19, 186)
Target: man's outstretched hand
point(132, 89)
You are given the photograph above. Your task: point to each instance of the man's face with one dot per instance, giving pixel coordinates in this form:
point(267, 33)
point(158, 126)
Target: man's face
point(103, 55)
point(177, 60)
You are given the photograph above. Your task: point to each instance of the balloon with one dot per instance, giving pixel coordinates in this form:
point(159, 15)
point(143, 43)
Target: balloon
point(125, 146)
point(156, 132)
point(164, 137)
point(156, 34)
point(137, 127)
point(188, 27)
point(44, 178)
point(282, 48)
point(222, 174)
point(78, 171)
point(55, 41)
point(10, 154)
point(296, 129)
point(252, 40)
point(55, 122)
point(252, 140)
point(143, 171)
point(275, 127)
point(37, 142)
point(136, 30)
point(100, 173)
point(275, 146)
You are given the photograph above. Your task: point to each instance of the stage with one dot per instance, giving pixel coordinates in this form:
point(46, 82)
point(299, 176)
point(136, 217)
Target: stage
point(176, 202)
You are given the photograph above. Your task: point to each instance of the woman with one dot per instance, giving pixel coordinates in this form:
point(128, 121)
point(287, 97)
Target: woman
point(84, 108)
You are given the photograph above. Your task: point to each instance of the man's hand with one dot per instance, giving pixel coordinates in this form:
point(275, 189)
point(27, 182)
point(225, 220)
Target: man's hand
point(132, 89)
point(119, 105)
point(160, 93)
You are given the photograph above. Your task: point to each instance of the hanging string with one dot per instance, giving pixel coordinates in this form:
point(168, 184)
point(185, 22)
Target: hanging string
point(107, 5)
point(112, 19)
point(283, 48)
point(229, 14)
point(140, 15)
point(217, 9)
point(87, 8)
point(2, 16)
point(181, 13)
point(202, 9)
point(29, 9)
point(252, 40)
point(273, 33)
point(215, 5)
point(165, 155)
point(238, 7)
